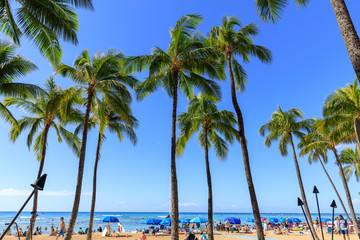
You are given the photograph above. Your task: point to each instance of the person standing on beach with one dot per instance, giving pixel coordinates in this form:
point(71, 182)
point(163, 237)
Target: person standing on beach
point(344, 227)
point(62, 228)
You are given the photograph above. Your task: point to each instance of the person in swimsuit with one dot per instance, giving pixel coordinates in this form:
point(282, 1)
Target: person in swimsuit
point(62, 228)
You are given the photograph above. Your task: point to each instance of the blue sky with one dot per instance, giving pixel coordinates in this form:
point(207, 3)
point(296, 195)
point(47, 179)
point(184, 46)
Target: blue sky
point(309, 62)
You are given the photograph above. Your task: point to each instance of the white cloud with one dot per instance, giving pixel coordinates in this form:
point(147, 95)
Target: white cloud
point(10, 192)
point(342, 146)
point(356, 201)
point(120, 202)
point(188, 205)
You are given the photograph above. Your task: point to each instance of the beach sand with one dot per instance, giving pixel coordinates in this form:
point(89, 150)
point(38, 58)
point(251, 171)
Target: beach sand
point(234, 236)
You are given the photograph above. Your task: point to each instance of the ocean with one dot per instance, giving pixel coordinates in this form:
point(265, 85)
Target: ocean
point(130, 220)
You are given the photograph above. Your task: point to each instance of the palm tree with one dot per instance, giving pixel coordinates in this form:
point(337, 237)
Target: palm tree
point(44, 22)
point(351, 160)
point(202, 115)
point(316, 146)
point(46, 111)
point(12, 67)
point(179, 68)
point(100, 76)
point(334, 133)
point(115, 116)
point(282, 126)
point(271, 10)
point(232, 43)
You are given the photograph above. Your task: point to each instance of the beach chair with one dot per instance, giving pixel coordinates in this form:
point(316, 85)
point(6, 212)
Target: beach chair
point(86, 230)
point(328, 230)
point(146, 231)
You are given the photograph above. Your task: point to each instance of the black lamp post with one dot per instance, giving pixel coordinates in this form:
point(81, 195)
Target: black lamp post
point(37, 185)
point(333, 205)
point(316, 191)
point(301, 204)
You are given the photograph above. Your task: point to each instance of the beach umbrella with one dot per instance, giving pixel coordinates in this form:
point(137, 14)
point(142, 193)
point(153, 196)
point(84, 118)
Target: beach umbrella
point(295, 220)
point(282, 220)
point(110, 219)
point(198, 220)
point(273, 220)
point(151, 221)
point(232, 220)
point(166, 222)
point(251, 220)
point(324, 220)
point(186, 220)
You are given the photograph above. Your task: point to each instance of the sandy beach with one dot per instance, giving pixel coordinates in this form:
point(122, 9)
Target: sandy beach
point(233, 236)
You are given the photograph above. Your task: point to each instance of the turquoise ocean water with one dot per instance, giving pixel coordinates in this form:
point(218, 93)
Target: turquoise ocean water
point(129, 220)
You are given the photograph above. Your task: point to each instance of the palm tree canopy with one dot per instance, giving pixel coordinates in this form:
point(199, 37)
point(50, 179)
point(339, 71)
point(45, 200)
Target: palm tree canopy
point(340, 109)
point(271, 10)
point(233, 40)
point(100, 75)
point(116, 117)
point(284, 124)
point(12, 67)
point(44, 22)
point(187, 58)
point(314, 143)
point(351, 160)
point(47, 110)
point(202, 115)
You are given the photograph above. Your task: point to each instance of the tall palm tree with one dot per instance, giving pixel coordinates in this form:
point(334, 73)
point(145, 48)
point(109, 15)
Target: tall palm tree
point(44, 22)
point(351, 160)
point(283, 126)
point(271, 10)
point(102, 75)
point(202, 115)
point(233, 43)
point(316, 146)
point(179, 68)
point(335, 132)
point(45, 112)
point(12, 67)
point(116, 117)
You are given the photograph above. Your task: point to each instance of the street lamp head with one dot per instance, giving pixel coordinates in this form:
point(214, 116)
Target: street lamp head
point(316, 191)
point(39, 183)
point(300, 203)
point(333, 204)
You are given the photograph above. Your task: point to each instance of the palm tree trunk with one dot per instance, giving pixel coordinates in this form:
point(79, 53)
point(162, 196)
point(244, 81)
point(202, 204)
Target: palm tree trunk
point(93, 200)
point(303, 195)
point(348, 33)
point(75, 209)
point(35, 200)
point(337, 193)
point(245, 154)
point(174, 187)
point(347, 192)
point(210, 227)
point(357, 129)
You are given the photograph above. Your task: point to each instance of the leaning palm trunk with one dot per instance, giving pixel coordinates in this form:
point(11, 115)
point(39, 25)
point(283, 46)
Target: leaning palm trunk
point(174, 187)
point(75, 209)
point(93, 200)
point(347, 192)
point(35, 201)
point(210, 227)
point(348, 32)
point(357, 129)
point(333, 185)
point(303, 196)
point(242, 139)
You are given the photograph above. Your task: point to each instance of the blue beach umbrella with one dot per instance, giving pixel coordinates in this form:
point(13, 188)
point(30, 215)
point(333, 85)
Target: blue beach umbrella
point(198, 220)
point(251, 220)
point(282, 220)
point(232, 220)
point(273, 220)
point(166, 222)
point(186, 220)
point(295, 220)
point(151, 221)
point(110, 219)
